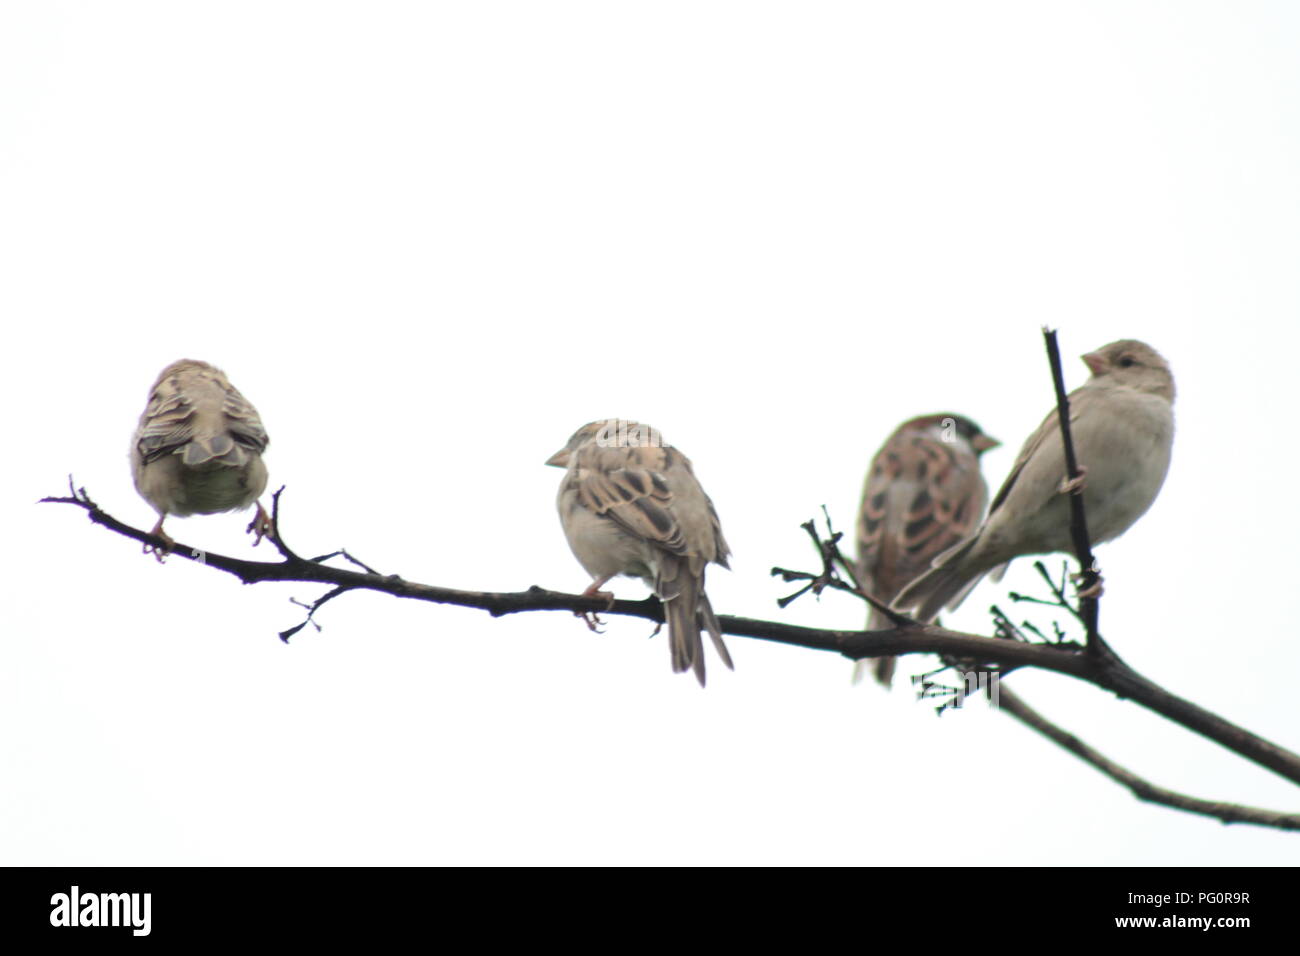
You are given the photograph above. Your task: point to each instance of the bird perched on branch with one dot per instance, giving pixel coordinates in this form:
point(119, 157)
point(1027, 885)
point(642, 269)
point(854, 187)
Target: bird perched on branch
point(923, 494)
point(198, 448)
point(1122, 426)
point(630, 504)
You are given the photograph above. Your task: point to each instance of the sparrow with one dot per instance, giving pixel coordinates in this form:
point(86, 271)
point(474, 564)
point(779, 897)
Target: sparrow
point(923, 494)
point(630, 504)
point(1122, 425)
point(198, 448)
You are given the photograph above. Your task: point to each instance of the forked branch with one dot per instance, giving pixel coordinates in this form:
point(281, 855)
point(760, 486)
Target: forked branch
point(1096, 663)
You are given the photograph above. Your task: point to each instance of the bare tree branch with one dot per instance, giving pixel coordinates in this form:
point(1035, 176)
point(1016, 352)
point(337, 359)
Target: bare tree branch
point(1103, 668)
point(1087, 613)
point(1105, 671)
point(1088, 603)
point(1012, 648)
point(834, 564)
point(1009, 702)
point(912, 638)
point(1096, 663)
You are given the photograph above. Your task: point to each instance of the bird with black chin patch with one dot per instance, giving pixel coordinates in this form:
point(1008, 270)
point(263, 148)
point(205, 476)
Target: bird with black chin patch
point(924, 493)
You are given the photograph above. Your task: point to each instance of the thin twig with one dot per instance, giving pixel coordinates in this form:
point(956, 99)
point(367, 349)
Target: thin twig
point(312, 608)
point(834, 563)
point(1088, 606)
point(343, 553)
point(1012, 704)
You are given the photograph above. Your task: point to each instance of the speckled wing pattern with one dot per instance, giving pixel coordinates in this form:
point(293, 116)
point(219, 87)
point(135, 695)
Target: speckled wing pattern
point(651, 492)
point(922, 496)
point(919, 501)
point(196, 413)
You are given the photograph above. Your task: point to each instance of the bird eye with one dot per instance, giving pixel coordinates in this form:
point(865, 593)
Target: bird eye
point(1127, 361)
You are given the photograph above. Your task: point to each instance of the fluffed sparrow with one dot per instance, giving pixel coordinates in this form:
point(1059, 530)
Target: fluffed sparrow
point(1122, 424)
point(631, 505)
point(198, 448)
point(923, 494)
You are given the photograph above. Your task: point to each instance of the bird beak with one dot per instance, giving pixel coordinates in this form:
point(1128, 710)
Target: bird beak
point(1096, 364)
point(984, 442)
point(560, 459)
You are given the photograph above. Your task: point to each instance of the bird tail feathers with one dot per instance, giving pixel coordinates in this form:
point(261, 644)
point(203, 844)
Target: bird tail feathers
point(220, 449)
point(687, 612)
point(946, 584)
point(882, 667)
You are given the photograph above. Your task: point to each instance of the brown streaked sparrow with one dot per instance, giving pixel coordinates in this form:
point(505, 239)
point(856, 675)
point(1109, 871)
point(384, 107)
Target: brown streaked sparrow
point(923, 494)
point(1122, 424)
point(198, 448)
point(630, 504)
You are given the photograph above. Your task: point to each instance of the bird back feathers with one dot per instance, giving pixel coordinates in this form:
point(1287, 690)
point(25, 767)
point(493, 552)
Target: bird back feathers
point(198, 445)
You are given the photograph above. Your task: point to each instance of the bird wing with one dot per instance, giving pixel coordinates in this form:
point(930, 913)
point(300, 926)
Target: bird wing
point(651, 492)
point(1050, 426)
point(198, 414)
point(625, 486)
point(919, 500)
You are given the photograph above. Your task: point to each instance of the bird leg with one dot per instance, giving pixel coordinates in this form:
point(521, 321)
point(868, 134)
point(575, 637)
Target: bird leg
point(260, 526)
point(168, 543)
point(593, 590)
point(1070, 485)
point(1095, 591)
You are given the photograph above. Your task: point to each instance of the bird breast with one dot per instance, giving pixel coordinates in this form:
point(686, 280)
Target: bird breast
point(601, 545)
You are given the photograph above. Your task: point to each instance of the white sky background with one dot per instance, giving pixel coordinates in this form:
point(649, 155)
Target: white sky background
point(430, 241)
